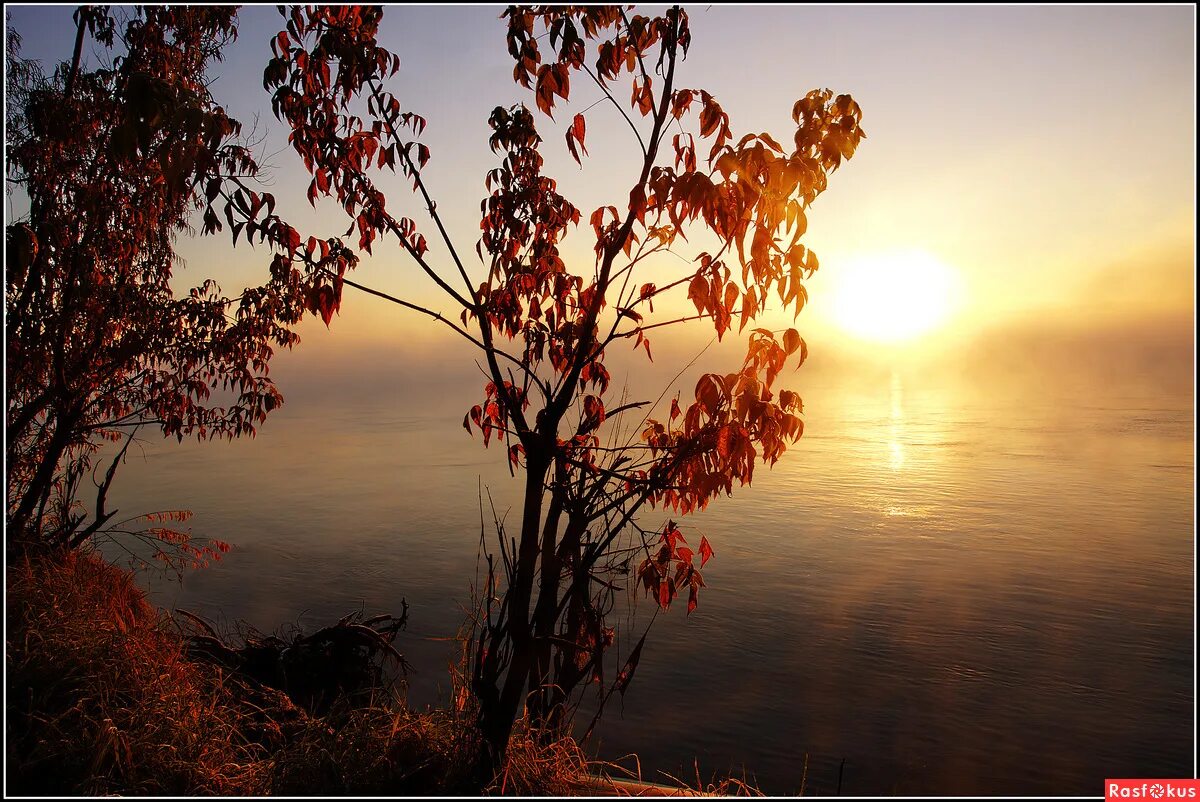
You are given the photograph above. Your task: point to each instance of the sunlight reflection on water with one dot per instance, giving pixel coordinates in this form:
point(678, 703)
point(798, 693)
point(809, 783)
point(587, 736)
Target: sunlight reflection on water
point(896, 432)
point(953, 594)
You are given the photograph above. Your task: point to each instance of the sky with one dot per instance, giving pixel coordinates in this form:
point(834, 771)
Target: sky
point(1042, 157)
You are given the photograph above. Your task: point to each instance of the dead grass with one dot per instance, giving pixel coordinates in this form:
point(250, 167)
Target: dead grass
point(103, 700)
point(376, 751)
point(534, 768)
point(624, 778)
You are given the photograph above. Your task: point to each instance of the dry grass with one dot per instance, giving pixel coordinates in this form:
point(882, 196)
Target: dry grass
point(536, 768)
point(377, 751)
point(102, 699)
point(624, 778)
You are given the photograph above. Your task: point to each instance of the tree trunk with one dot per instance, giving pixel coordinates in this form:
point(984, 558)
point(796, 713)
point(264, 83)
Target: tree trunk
point(500, 703)
point(541, 678)
point(21, 525)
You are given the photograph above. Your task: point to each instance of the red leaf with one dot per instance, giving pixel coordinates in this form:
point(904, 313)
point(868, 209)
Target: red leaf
point(698, 292)
point(578, 128)
point(644, 98)
point(327, 302)
point(791, 340)
point(706, 552)
point(724, 439)
point(671, 535)
point(571, 146)
point(626, 673)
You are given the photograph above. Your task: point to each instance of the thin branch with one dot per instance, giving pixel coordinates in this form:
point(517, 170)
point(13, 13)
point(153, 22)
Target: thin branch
point(416, 176)
point(436, 316)
point(103, 516)
point(641, 329)
point(586, 355)
point(620, 108)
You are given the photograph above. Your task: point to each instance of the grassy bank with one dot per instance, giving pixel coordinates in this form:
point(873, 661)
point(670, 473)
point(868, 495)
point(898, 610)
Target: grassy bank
point(103, 699)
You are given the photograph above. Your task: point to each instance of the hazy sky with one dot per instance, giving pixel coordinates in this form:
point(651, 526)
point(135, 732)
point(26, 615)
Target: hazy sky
point(1045, 154)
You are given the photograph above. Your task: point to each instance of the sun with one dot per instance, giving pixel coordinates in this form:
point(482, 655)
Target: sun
point(893, 297)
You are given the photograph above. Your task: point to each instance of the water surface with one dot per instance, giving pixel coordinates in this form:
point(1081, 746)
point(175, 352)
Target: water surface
point(934, 592)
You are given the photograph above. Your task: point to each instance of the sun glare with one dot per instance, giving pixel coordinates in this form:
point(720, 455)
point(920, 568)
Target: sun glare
point(892, 297)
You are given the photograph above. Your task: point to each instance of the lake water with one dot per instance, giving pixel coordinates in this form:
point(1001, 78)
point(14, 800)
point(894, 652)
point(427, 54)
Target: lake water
point(934, 592)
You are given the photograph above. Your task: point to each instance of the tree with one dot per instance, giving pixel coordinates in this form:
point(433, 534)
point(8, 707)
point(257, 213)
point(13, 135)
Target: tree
point(114, 162)
point(543, 328)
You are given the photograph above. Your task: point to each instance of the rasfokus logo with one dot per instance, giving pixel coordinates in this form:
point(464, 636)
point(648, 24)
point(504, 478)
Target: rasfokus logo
point(1151, 789)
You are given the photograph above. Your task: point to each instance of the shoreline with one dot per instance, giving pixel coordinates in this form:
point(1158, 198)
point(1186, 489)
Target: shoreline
point(108, 697)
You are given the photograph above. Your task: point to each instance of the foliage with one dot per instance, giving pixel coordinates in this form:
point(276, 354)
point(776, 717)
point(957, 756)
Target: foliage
point(113, 163)
point(544, 328)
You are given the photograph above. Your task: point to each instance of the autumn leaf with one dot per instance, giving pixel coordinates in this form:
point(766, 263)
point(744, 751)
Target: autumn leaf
point(698, 292)
point(647, 294)
point(791, 340)
point(671, 536)
point(724, 438)
point(625, 675)
point(579, 129)
point(575, 134)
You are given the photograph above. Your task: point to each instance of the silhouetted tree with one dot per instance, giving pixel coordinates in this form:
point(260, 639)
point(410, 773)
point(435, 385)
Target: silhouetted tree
point(543, 327)
point(113, 163)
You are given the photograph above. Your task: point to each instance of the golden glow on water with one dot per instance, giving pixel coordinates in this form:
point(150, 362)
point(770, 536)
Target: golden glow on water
point(893, 297)
point(896, 425)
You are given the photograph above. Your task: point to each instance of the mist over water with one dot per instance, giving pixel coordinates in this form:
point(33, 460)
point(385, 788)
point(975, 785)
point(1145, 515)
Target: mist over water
point(953, 586)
